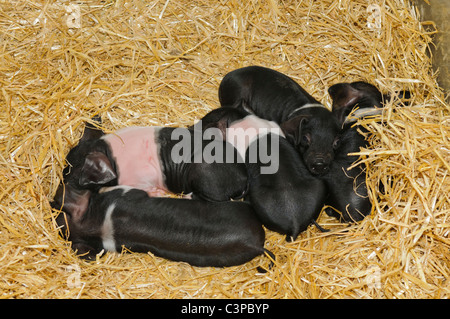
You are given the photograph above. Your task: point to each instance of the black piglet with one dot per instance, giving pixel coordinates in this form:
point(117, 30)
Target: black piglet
point(348, 193)
point(197, 232)
point(308, 125)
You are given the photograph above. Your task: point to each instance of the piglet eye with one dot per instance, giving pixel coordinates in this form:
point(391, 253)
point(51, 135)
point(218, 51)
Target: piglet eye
point(336, 143)
point(306, 140)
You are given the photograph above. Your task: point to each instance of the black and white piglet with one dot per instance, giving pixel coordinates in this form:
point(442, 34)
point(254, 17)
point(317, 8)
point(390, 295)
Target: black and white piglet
point(271, 95)
point(200, 233)
point(286, 197)
point(348, 192)
point(144, 158)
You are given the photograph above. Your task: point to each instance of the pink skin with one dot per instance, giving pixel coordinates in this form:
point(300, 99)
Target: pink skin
point(136, 155)
point(242, 133)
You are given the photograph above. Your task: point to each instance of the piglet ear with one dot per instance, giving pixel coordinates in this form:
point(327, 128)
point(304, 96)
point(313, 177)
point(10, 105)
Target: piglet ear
point(91, 132)
point(344, 97)
point(221, 124)
point(292, 128)
point(347, 95)
point(97, 170)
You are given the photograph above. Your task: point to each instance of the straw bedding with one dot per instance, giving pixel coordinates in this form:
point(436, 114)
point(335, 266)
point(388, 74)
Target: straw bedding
point(160, 63)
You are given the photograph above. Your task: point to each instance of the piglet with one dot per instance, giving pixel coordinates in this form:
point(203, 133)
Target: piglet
point(145, 158)
point(285, 196)
point(271, 95)
point(348, 193)
point(198, 232)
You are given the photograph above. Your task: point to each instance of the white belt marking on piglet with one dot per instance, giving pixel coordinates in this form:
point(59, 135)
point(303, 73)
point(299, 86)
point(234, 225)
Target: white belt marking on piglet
point(306, 106)
point(124, 188)
point(361, 113)
point(108, 230)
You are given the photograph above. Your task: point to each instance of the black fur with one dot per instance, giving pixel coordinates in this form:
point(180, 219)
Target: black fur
point(198, 232)
point(348, 193)
point(347, 189)
point(214, 181)
point(287, 201)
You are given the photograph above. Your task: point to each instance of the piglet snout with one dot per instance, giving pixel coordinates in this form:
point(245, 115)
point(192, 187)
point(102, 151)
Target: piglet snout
point(320, 165)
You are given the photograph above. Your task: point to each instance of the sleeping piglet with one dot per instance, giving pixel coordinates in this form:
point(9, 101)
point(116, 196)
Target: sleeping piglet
point(271, 95)
point(200, 233)
point(144, 158)
point(285, 196)
point(348, 193)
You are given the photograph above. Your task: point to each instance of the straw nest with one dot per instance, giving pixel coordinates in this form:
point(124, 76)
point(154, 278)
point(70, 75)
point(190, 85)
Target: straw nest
point(160, 63)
